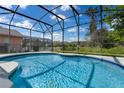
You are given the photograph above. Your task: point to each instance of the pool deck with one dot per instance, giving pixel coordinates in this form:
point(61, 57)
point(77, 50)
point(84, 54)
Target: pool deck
point(5, 83)
point(117, 60)
point(6, 69)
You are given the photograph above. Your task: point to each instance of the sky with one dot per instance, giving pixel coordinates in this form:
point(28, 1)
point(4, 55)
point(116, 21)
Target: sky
point(36, 12)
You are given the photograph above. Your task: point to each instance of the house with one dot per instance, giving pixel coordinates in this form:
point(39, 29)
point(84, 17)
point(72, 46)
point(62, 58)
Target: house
point(12, 43)
point(18, 42)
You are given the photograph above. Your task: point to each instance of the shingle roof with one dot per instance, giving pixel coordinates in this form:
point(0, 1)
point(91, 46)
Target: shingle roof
point(5, 31)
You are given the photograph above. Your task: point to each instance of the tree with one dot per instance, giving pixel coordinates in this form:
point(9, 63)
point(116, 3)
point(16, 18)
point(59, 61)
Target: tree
point(106, 38)
point(115, 19)
point(36, 45)
point(92, 14)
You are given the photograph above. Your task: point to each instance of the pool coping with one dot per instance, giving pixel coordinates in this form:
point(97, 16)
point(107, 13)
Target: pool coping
point(116, 60)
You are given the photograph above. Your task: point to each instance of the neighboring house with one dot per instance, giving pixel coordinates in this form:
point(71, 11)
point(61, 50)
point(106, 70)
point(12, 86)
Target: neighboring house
point(36, 43)
point(13, 43)
point(17, 42)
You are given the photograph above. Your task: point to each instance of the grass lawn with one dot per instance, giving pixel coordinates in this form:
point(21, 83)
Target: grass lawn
point(115, 51)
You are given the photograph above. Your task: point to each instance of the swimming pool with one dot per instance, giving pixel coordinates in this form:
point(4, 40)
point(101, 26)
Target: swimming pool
point(48, 70)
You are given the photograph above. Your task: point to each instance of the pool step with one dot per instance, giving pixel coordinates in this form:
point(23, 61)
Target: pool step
point(9, 67)
point(6, 69)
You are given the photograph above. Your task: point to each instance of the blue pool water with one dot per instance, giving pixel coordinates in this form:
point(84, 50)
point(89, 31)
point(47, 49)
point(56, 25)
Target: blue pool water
point(59, 71)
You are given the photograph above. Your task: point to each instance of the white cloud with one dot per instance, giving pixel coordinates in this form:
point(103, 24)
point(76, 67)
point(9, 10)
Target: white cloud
point(39, 28)
point(65, 7)
point(80, 15)
point(54, 11)
point(23, 6)
point(62, 16)
point(57, 36)
point(74, 29)
point(54, 17)
point(4, 19)
point(25, 23)
point(7, 6)
point(73, 39)
point(82, 29)
point(75, 6)
point(10, 6)
point(47, 35)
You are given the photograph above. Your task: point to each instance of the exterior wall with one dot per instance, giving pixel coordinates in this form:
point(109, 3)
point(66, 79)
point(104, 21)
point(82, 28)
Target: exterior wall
point(1, 39)
point(15, 42)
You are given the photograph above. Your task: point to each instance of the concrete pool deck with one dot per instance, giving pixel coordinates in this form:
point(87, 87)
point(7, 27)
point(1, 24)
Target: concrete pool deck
point(6, 69)
point(117, 60)
point(5, 83)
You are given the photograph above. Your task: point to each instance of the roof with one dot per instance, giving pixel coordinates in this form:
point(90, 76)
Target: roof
point(5, 31)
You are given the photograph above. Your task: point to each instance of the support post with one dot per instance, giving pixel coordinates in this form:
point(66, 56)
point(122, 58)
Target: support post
point(43, 41)
point(63, 36)
point(62, 28)
point(77, 20)
point(9, 47)
point(78, 45)
point(52, 40)
point(101, 23)
point(101, 10)
point(30, 47)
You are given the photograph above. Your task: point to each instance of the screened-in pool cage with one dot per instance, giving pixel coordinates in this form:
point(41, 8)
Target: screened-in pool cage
point(54, 28)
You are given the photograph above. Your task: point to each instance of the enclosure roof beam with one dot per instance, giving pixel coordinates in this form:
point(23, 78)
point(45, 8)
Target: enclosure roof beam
point(41, 27)
point(24, 15)
point(44, 16)
point(73, 26)
point(47, 29)
point(13, 16)
point(74, 10)
point(50, 12)
point(59, 23)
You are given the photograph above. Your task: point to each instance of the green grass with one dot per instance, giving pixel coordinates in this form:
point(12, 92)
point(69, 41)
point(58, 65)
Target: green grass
point(3, 53)
point(115, 51)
